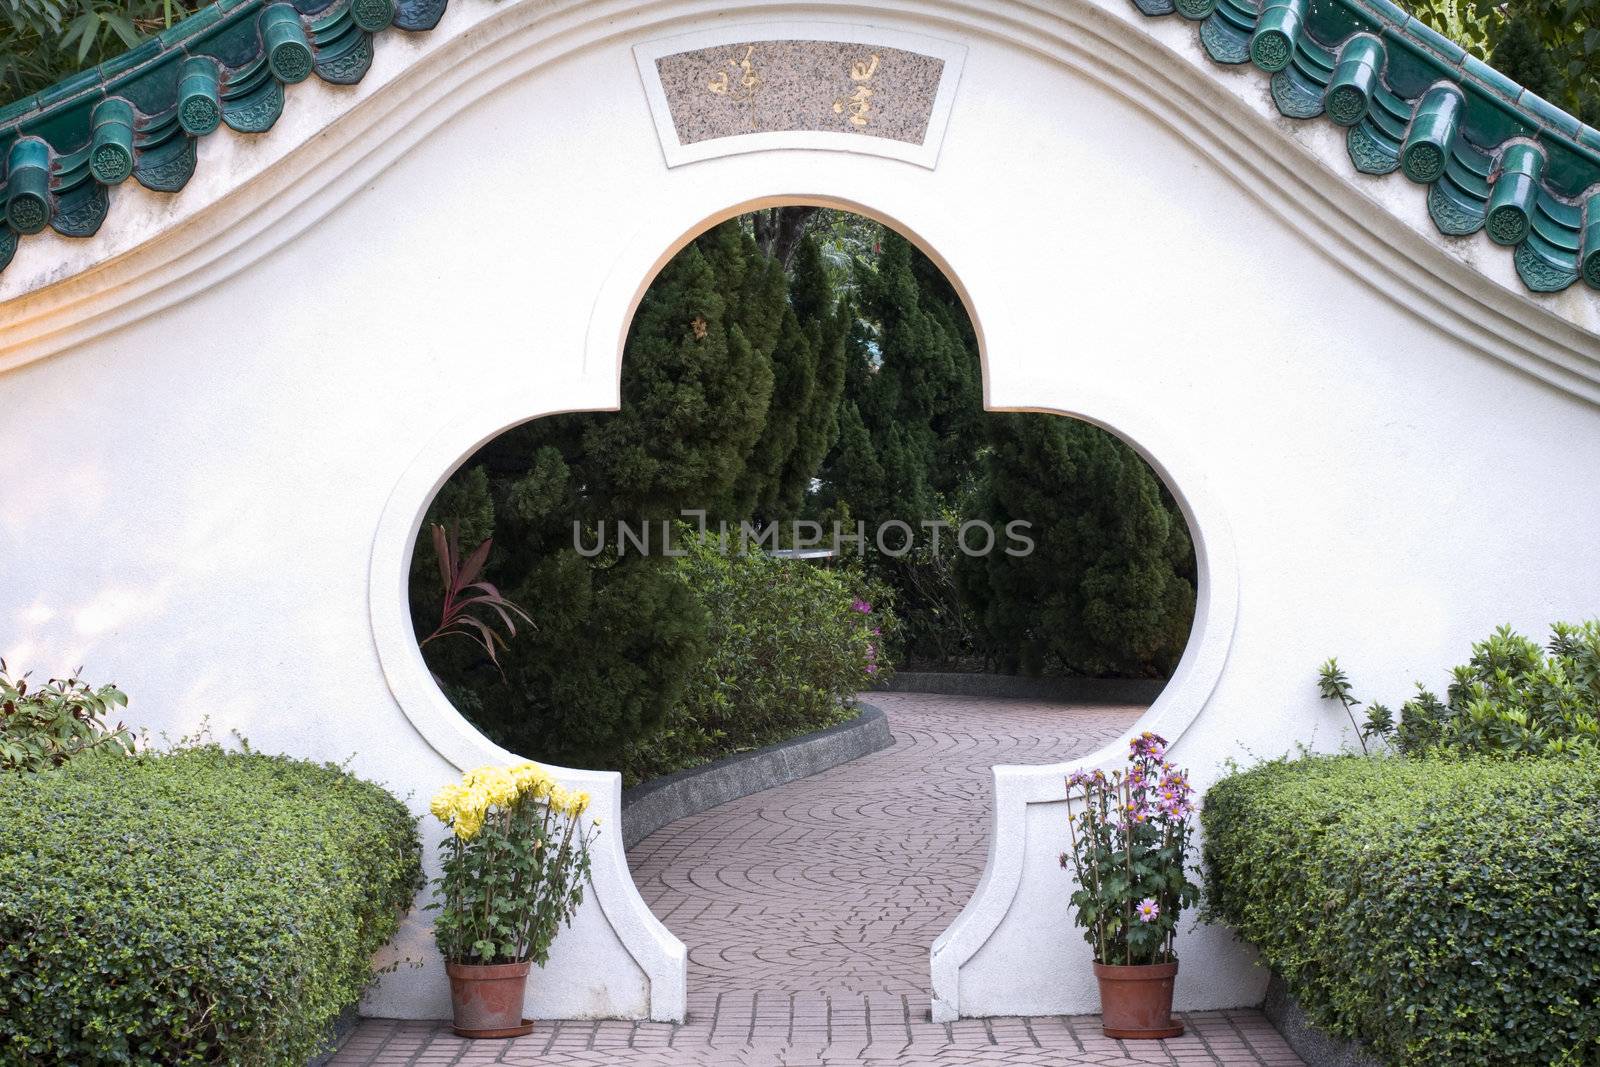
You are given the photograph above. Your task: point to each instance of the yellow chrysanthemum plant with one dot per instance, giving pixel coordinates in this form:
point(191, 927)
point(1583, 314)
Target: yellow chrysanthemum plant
point(515, 864)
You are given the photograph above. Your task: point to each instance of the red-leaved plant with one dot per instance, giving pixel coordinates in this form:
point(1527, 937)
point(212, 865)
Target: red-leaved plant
point(464, 594)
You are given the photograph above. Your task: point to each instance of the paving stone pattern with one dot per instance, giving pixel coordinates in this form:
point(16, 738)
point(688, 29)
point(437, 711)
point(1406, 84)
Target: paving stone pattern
point(808, 911)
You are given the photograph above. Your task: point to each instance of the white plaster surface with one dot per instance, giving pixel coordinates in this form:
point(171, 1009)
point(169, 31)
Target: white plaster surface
point(224, 415)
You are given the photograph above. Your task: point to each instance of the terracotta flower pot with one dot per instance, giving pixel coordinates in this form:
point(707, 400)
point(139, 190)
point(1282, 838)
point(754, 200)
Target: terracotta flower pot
point(1136, 1002)
point(487, 999)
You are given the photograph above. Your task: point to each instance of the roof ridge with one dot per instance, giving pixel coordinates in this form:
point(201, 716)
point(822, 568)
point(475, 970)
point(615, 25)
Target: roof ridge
point(139, 114)
point(1494, 155)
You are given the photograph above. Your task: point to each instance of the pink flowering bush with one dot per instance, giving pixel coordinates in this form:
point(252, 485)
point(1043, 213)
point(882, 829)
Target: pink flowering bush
point(1130, 837)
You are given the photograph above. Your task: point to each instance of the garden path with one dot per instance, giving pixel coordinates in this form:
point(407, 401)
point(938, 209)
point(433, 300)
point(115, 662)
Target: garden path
point(808, 911)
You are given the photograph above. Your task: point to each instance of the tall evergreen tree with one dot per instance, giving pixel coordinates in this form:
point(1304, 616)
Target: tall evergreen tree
point(811, 390)
point(697, 379)
point(1106, 588)
point(615, 637)
point(912, 387)
point(808, 364)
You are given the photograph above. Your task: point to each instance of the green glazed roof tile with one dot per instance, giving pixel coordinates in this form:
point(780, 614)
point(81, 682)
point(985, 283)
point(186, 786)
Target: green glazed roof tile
point(80, 211)
point(1224, 41)
point(257, 110)
point(1412, 68)
point(1465, 178)
point(1491, 78)
point(1296, 96)
point(1539, 274)
point(1452, 211)
point(117, 66)
point(1392, 106)
point(151, 87)
point(167, 167)
point(1541, 108)
point(1455, 148)
point(1549, 226)
point(1571, 168)
point(238, 80)
point(1387, 11)
point(1315, 61)
point(1494, 122)
point(1425, 34)
point(1239, 13)
point(417, 15)
point(68, 89)
point(1370, 150)
point(16, 110)
point(345, 62)
point(1331, 24)
point(1155, 8)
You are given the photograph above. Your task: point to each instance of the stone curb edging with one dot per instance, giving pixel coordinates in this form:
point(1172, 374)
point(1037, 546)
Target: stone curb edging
point(1310, 1044)
point(339, 1032)
point(1020, 687)
point(647, 808)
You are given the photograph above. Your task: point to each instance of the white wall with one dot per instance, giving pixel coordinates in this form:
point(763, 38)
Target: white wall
point(209, 504)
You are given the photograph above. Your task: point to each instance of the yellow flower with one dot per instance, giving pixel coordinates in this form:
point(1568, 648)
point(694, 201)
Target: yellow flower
point(557, 798)
point(499, 787)
point(465, 806)
point(532, 779)
point(568, 803)
point(444, 803)
point(467, 824)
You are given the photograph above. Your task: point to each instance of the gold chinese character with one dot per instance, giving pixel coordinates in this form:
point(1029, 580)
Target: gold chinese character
point(862, 71)
point(859, 102)
point(741, 84)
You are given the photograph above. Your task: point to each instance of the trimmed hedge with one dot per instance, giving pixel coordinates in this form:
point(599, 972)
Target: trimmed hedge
point(1441, 911)
point(192, 907)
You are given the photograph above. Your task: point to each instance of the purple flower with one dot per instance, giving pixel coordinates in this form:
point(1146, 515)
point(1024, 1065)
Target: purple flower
point(1148, 746)
point(861, 606)
point(1148, 910)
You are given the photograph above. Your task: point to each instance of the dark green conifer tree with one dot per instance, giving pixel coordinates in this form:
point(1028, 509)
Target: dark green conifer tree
point(615, 637)
point(1106, 589)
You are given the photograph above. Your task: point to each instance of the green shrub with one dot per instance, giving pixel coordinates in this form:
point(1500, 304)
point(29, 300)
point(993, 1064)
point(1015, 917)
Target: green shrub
point(44, 726)
point(192, 907)
point(788, 647)
point(1510, 698)
point(43, 41)
point(1444, 911)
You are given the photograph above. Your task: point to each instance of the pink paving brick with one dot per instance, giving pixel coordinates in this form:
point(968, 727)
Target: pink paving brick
point(808, 911)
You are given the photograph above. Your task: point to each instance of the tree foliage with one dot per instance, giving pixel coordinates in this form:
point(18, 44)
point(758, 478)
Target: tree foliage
point(1549, 46)
point(1108, 588)
point(726, 401)
point(809, 365)
point(43, 41)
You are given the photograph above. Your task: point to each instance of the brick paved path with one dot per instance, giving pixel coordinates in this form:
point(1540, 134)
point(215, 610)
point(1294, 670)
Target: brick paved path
point(808, 911)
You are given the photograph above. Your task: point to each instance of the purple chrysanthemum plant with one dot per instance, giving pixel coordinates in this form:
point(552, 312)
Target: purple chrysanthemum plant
point(1130, 840)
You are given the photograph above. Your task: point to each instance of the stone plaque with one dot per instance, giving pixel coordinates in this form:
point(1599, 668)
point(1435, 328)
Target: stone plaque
point(824, 86)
